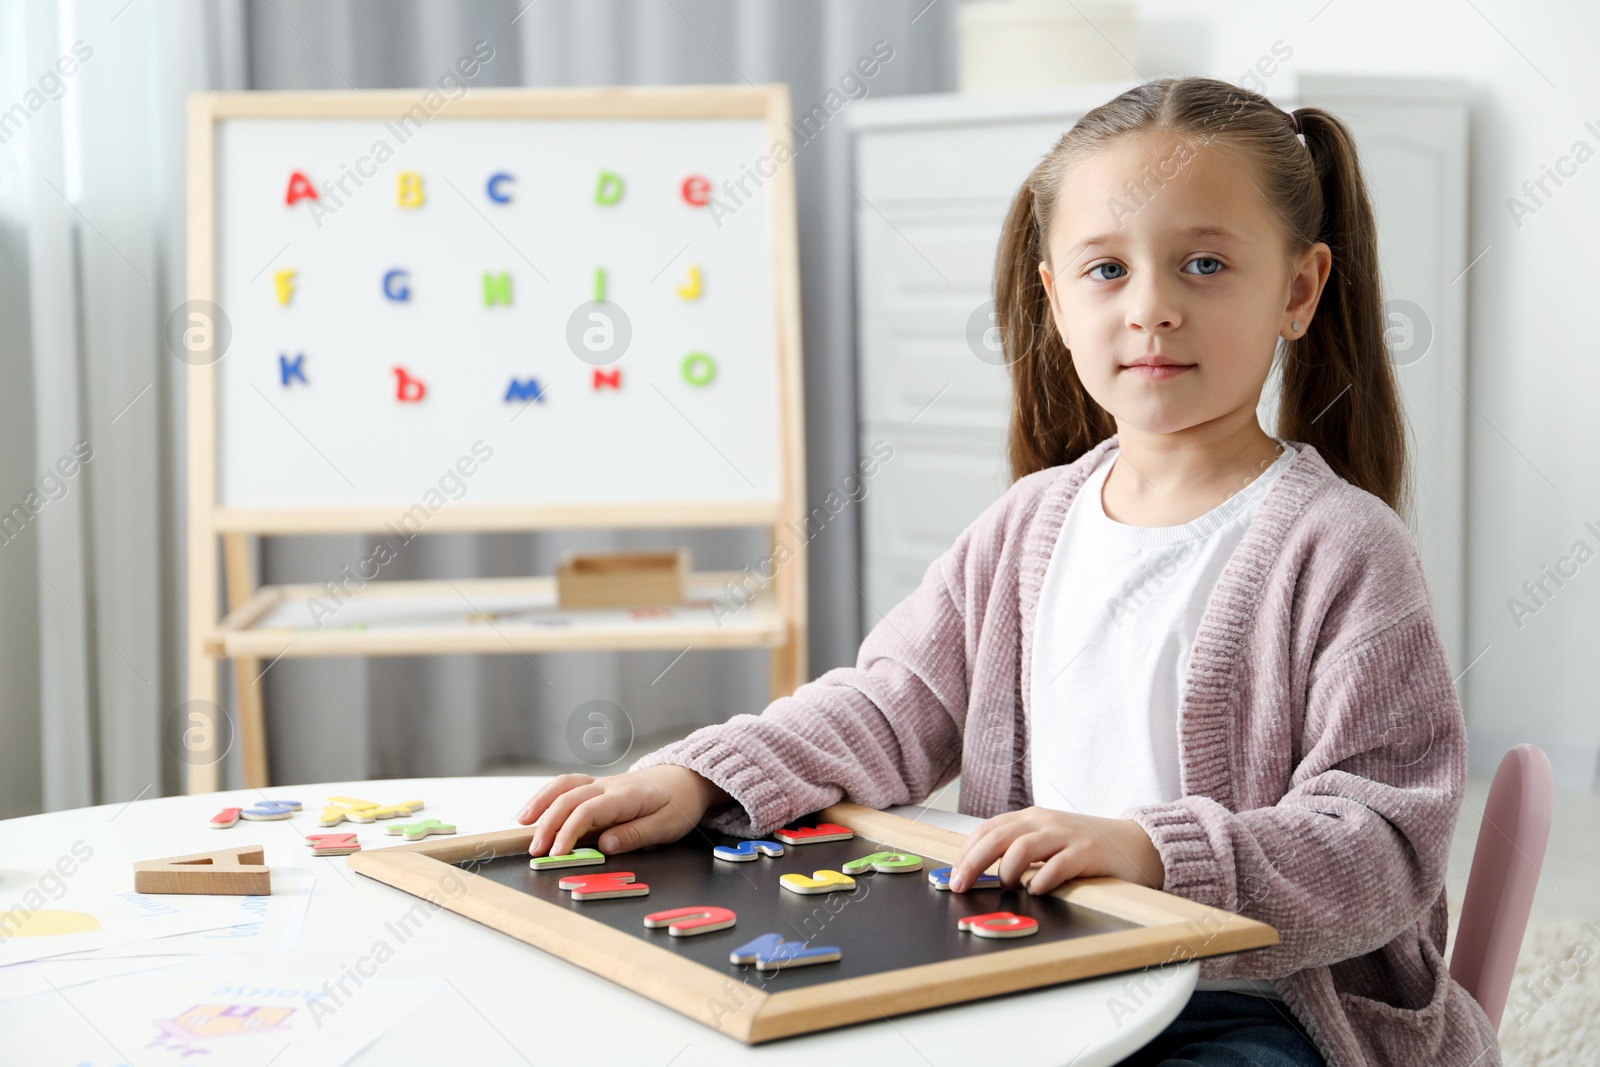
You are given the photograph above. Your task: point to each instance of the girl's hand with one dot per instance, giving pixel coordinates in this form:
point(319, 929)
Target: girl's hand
point(653, 806)
point(1069, 845)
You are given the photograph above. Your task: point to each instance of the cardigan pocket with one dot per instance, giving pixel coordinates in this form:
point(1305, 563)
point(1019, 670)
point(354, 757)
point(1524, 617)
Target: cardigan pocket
point(1395, 1034)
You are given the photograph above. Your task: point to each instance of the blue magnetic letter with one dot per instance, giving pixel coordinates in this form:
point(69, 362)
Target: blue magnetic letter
point(394, 291)
point(288, 370)
point(528, 390)
point(494, 188)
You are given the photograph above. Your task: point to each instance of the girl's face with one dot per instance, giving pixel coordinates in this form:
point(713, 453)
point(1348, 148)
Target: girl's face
point(1161, 246)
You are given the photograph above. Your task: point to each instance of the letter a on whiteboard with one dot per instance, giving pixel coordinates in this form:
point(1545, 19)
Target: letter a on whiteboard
point(300, 188)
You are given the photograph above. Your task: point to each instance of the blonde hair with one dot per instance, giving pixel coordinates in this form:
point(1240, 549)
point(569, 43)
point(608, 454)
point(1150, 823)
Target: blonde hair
point(1339, 392)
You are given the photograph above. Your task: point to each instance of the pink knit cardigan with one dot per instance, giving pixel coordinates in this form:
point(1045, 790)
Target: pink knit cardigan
point(1322, 749)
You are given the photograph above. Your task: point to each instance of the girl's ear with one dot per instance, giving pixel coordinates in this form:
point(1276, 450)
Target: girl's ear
point(1050, 298)
point(1305, 289)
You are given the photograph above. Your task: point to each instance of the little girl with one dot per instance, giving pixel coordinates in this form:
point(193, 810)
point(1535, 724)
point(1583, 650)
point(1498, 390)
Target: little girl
point(1177, 651)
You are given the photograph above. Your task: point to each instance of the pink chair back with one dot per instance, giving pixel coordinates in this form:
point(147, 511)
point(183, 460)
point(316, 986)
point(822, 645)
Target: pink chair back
point(1505, 872)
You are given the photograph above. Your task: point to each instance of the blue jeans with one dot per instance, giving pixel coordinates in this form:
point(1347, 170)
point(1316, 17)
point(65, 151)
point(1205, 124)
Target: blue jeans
point(1222, 1029)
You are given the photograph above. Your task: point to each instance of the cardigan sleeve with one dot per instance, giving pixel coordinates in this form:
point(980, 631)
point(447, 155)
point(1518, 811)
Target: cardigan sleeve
point(886, 731)
point(1355, 851)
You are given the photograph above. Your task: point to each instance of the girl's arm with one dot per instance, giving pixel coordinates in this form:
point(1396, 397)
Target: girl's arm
point(1355, 851)
point(886, 731)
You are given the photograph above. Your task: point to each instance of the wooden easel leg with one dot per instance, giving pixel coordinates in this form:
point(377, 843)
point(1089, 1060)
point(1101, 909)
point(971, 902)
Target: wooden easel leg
point(784, 668)
point(251, 702)
point(239, 570)
point(204, 771)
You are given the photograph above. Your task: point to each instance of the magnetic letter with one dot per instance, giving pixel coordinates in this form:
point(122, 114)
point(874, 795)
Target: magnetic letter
point(496, 288)
point(599, 284)
point(300, 188)
point(687, 922)
point(690, 290)
point(408, 192)
point(604, 886)
point(395, 287)
point(611, 378)
point(609, 188)
point(290, 371)
point(283, 280)
point(698, 368)
point(696, 190)
point(999, 924)
point(408, 390)
point(529, 391)
point(495, 181)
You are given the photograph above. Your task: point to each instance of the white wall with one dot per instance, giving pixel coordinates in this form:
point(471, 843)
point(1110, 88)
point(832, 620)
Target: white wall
point(1533, 365)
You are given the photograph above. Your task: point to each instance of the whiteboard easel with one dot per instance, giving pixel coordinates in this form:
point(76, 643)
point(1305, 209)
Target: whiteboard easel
point(294, 430)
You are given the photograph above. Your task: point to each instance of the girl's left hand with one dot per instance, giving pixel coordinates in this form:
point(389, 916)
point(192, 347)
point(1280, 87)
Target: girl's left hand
point(1070, 846)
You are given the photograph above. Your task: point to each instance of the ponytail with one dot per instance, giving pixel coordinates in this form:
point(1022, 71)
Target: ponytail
point(1339, 392)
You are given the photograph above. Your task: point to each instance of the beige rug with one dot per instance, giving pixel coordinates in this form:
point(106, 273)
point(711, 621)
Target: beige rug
point(1552, 1016)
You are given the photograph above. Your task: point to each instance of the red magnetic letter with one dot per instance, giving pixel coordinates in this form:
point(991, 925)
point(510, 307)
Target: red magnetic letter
point(408, 390)
point(300, 188)
point(696, 190)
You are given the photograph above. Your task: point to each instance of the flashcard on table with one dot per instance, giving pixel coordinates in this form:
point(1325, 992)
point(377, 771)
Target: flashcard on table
point(100, 910)
point(886, 862)
point(819, 882)
point(745, 851)
point(999, 924)
point(807, 835)
point(416, 831)
point(259, 924)
point(939, 878)
point(269, 810)
point(168, 1018)
point(226, 818)
point(64, 972)
point(238, 871)
point(687, 922)
point(603, 885)
point(583, 857)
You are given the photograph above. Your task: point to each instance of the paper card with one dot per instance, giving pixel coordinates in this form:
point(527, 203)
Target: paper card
point(41, 976)
point(265, 924)
point(166, 1018)
point(94, 912)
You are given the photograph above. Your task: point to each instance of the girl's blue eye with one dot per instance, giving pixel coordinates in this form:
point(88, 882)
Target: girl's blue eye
point(1217, 265)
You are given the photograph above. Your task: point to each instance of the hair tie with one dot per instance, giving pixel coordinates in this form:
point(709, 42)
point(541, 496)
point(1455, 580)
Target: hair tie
point(1294, 121)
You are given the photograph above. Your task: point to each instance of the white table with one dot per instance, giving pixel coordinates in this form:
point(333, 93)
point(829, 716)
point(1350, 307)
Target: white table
point(531, 1007)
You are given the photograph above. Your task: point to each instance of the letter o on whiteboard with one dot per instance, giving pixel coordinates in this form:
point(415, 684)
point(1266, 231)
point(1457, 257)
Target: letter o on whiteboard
point(699, 368)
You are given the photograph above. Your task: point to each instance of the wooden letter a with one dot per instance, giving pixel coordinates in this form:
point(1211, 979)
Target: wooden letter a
point(238, 871)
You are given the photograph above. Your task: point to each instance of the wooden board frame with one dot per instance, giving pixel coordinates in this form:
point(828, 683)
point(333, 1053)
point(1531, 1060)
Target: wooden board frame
point(211, 527)
point(1169, 929)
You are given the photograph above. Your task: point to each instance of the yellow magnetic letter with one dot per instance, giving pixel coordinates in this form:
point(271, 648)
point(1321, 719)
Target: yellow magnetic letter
point(410, 188)
point(284, 280)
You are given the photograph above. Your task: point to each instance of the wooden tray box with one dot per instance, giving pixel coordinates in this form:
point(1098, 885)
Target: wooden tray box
point(621, 579)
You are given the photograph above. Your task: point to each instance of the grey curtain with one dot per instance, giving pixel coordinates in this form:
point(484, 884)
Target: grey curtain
point(91, 666)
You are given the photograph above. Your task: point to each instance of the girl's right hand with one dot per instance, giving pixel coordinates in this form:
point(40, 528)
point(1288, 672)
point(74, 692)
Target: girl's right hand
point(653, 806)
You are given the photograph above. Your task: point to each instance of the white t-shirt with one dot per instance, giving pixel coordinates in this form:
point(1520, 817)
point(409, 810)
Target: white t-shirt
point(1117, 619)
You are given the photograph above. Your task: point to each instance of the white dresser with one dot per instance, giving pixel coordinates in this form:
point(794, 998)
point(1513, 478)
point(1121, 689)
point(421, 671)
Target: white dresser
point(935, 174)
